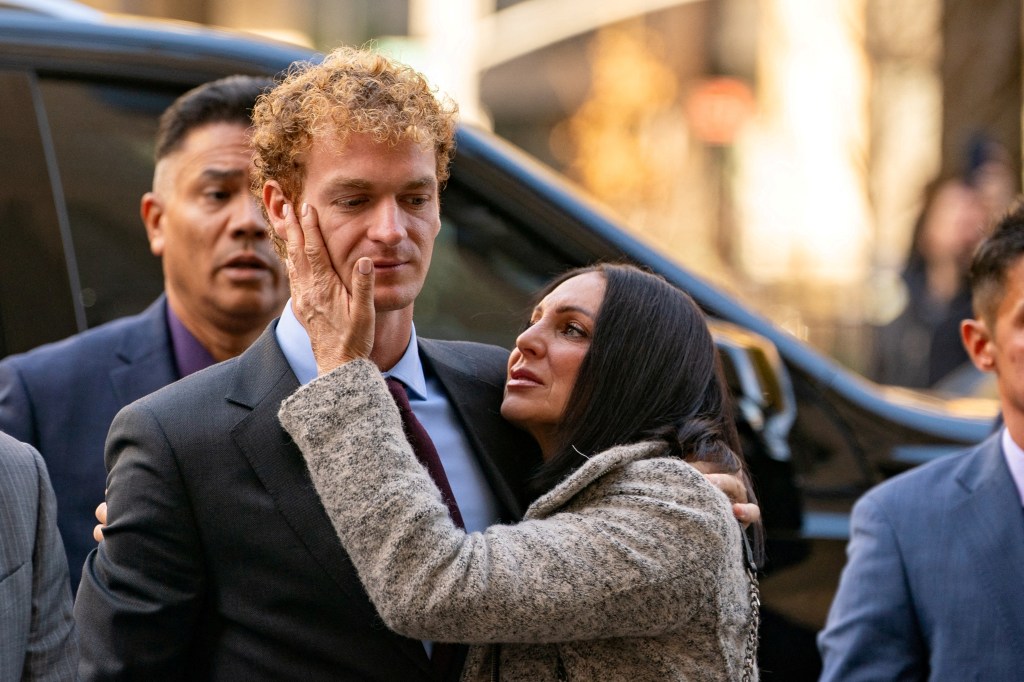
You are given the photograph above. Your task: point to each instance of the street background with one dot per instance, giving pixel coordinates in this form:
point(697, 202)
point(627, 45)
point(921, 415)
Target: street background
point(779, 148)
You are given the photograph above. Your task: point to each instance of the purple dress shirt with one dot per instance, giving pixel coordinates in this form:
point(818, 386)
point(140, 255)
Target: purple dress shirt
point(189, 355)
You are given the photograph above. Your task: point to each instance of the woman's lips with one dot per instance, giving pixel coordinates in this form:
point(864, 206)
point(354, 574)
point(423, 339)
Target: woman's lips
point(523, 378)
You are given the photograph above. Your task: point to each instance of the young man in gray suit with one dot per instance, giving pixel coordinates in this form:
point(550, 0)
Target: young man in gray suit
point(37, 634)
point(223, 285)
point(932, 584)
point(218, 561)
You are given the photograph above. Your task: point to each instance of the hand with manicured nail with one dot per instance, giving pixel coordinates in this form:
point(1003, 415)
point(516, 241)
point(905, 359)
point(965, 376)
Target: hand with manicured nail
point(745, 511)
point(338, 319)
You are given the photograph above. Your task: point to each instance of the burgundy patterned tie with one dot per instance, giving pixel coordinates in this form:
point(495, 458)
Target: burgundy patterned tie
point(443, 654)
point(424, 448)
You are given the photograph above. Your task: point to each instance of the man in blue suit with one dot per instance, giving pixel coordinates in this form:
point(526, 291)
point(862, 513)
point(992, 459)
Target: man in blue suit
point(223, 285)
point(37, 633)
point(932, 584)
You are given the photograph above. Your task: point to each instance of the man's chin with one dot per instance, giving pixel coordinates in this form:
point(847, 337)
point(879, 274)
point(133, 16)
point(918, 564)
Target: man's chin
point(390, 300)
point(254, 304)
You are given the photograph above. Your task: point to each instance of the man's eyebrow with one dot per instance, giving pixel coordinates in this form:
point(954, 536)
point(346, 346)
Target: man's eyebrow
point(222, 174)
point(425, 182)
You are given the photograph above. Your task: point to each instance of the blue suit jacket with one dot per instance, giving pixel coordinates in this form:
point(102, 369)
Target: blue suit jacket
point(37, 633)
point(62, 397)
point(932, 584)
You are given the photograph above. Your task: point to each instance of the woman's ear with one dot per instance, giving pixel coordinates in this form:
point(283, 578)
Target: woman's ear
point(977, 340)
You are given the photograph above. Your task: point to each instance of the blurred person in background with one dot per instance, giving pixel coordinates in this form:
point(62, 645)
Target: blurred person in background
point(989, 172)
point(922, 345)
point(223, 285)
point(37, 633)
point(931, 587)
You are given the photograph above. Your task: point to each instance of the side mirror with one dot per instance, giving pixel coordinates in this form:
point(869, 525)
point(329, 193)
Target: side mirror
point(760, 386)
point(765, 413)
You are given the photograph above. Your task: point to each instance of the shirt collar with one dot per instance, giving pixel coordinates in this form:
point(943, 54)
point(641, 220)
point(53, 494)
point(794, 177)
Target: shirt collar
point(1015, 460)
point(409, 370)
point(294, 342)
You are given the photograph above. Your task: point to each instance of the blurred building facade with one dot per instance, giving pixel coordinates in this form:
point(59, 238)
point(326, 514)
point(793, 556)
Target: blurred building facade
point(778, 147)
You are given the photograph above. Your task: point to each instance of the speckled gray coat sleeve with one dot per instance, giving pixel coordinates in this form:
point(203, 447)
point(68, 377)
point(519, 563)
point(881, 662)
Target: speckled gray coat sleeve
point(627, 554)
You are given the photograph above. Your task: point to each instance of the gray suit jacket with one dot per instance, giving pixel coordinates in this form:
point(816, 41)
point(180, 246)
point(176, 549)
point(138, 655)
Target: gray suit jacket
point(932, 584)
point(37, 633)
point(219, 561)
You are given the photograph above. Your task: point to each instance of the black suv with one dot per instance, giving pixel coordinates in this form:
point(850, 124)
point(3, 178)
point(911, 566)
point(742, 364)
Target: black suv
point(79, 99)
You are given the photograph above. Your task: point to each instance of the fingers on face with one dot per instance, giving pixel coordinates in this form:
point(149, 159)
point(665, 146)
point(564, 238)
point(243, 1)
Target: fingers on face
point(293, 235)
point(362, 290)
point(306, 256)
point(296, 262)
point(314, 251)
point(362, 277)
point(310, 229)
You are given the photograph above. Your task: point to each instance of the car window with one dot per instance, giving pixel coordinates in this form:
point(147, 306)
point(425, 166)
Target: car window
point(485, 269)
point(36, 303)
point(486, 265)
point(103, 143)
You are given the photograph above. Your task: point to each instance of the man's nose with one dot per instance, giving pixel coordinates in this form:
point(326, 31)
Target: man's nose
point(387, 223)
point(247, 219)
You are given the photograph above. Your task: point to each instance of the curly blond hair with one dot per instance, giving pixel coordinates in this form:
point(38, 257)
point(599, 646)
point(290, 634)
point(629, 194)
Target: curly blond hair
point(352, 91)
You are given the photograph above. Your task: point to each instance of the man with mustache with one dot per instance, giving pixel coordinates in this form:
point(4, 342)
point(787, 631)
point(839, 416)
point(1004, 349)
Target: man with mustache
point(223, 285)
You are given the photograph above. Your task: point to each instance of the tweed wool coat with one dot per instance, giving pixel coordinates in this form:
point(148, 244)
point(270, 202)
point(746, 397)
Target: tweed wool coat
point(630, 569)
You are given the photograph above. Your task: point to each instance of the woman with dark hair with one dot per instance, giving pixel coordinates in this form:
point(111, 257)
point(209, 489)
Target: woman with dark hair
point(653, 353)
point(628, 566)
point(921, 346)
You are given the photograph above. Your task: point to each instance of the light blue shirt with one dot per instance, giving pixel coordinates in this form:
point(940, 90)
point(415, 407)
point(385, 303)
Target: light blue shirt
point(1015, 460)
point(431, 406)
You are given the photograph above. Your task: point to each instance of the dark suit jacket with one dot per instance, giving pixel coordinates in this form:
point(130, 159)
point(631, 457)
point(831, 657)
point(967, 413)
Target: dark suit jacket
point(61, 398)
point(931, 588)
point(37, 633)
point(220, 562)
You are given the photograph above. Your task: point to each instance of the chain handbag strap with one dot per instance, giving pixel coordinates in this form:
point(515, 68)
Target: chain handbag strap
point(750, 657)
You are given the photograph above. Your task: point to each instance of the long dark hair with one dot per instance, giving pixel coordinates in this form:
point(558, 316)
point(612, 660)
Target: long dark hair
point(652, 373)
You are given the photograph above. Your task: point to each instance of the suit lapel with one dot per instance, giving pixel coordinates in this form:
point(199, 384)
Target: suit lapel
point(146, 353)
point(507, 454)
point(263, 379)
point(991, 510)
